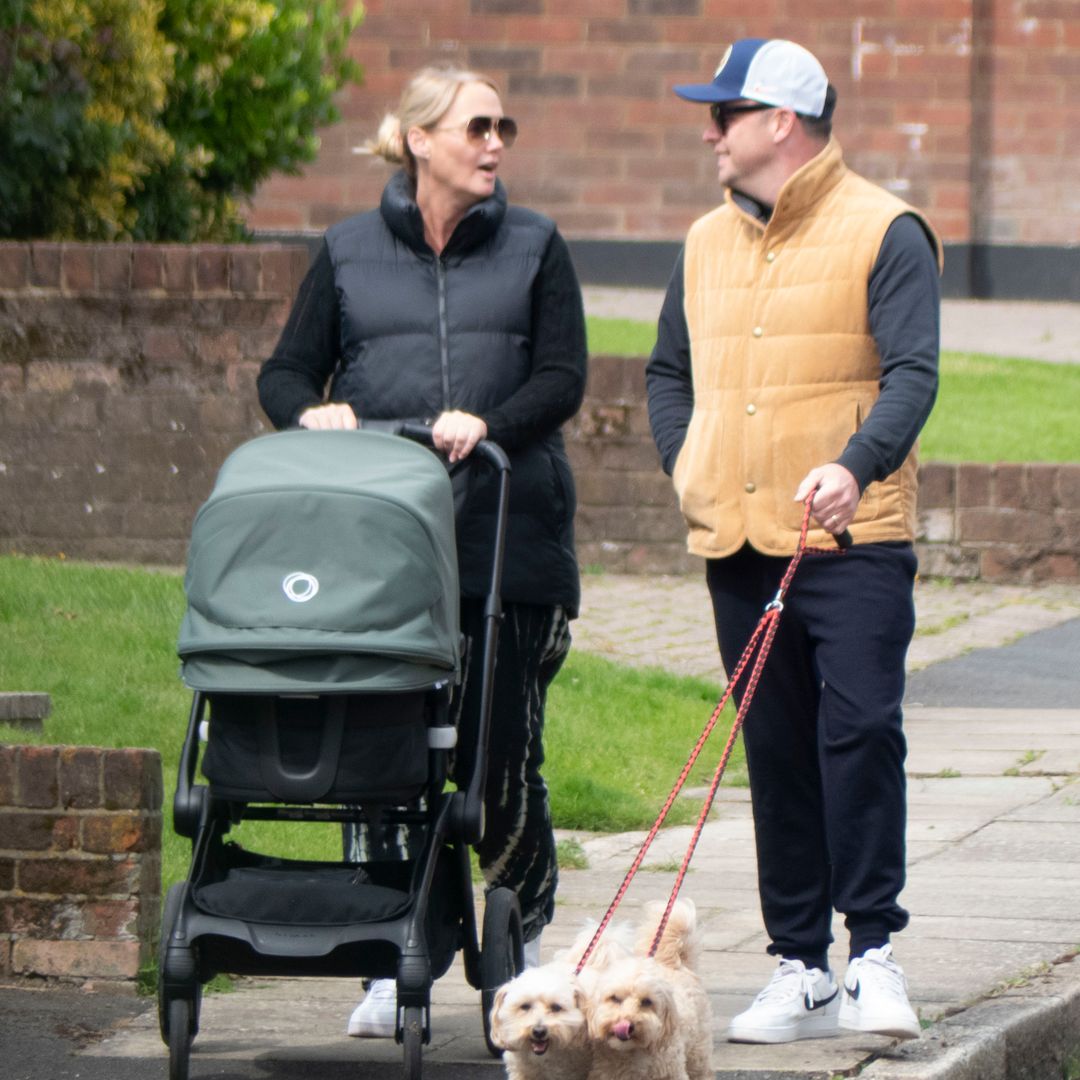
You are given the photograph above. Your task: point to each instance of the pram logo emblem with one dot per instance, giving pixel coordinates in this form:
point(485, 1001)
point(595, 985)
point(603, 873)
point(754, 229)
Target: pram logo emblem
point(300, 587)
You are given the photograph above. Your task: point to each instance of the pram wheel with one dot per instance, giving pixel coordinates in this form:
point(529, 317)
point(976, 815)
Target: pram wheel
point(180, 1037)
point(501, 955)
point(179, 991)
point(412, 1039)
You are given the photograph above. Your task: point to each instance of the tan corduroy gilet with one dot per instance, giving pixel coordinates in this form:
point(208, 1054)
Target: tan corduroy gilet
point(784, 367)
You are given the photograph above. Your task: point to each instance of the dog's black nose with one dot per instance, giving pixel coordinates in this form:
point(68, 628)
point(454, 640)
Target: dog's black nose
point(540, 1033)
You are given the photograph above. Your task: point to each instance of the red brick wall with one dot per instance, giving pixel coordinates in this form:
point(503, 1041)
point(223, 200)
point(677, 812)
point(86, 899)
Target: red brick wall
point(1026, 119)
point(80, 861)
point(126, 375)
point(964, 107)
point(125, 382)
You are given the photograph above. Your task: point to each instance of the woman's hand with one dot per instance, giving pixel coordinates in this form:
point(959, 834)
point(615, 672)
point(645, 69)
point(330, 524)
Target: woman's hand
point(333, 417)
point(456, 433)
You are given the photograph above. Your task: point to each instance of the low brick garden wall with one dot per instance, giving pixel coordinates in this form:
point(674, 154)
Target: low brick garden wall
point(80, 862)
point(1005, 522)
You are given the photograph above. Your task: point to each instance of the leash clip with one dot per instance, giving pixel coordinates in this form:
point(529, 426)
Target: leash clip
point(776, 603)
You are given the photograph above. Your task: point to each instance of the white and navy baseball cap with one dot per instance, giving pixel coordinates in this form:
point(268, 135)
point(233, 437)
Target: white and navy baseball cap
point(774, 72)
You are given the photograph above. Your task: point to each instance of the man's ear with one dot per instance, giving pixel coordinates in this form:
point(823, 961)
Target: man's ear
point(784, 121)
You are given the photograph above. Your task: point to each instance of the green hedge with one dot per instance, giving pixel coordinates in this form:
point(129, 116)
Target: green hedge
point(151, 119)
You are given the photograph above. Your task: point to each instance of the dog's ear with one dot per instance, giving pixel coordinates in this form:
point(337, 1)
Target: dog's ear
point(669, 1017)
point(496, 1007)
point(590, 1006)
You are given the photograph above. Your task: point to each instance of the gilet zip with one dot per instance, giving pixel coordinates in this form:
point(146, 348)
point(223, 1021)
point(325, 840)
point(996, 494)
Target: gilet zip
point(444, 332)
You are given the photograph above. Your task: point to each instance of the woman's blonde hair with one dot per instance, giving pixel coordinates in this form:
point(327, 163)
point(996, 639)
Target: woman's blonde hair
point(425, 100)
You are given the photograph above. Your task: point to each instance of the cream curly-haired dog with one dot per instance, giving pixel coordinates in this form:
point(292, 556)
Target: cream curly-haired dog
point(649, 1018)
point(538, 1018)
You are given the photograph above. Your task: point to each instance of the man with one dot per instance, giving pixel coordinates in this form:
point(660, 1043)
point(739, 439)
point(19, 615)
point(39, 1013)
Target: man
point(796, 355)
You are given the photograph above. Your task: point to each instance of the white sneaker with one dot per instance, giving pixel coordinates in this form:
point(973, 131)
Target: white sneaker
point(376, 1016)
point(798, 1003)
point(532, 953)
point(875, 996)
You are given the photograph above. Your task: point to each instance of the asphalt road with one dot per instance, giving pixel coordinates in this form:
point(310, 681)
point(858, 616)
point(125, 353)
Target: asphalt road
point(1040, 671)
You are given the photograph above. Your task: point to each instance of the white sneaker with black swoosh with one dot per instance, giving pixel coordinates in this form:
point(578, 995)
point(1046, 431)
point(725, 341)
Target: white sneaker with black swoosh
point(875, 996)
point(798, 1003)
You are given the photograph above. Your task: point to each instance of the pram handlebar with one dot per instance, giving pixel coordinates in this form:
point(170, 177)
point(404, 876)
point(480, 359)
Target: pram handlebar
point(491, 452)
point(468, 807)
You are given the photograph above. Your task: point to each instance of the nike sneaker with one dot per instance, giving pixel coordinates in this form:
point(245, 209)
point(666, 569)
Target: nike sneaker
point(798, 1003)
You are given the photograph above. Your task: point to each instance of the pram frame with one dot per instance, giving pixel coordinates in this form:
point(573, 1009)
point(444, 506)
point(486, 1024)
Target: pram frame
point(455, 819)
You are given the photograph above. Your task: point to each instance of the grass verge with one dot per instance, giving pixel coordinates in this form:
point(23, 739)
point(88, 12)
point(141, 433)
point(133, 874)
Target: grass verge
point(101, 642)
point(988, 409)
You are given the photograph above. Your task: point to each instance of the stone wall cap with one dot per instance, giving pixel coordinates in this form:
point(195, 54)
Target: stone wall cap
point(16, 706)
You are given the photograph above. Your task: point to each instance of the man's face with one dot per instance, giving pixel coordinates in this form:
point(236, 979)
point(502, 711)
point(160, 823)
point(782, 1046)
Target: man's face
point(741, 136)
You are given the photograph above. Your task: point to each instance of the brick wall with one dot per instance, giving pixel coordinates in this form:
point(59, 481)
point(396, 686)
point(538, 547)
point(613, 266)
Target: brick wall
point(126, 381)
point(80, 861)
point(126, 375)
point(965, 107)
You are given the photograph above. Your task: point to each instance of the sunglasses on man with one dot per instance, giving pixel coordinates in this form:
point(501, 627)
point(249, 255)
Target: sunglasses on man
point(478, 129)
point(722, 113)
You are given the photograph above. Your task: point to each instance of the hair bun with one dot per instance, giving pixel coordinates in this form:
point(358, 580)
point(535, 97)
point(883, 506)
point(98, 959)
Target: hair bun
point(389, 142)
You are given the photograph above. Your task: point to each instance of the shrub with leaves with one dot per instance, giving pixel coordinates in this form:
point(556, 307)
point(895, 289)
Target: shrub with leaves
point(82, 88)
point(151, 119)
point(254, 81)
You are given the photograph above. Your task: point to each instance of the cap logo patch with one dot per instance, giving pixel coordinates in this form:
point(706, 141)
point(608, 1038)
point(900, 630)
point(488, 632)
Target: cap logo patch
point(726, 57)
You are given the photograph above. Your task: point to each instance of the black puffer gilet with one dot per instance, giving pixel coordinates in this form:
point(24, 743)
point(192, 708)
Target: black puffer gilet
point(422, 333)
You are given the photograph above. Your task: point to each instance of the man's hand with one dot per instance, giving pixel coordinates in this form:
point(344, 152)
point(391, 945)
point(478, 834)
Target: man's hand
point(334, 417)
point(837, 496)
point(456, 433)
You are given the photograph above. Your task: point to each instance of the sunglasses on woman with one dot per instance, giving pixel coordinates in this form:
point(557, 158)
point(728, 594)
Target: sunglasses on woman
point(722, 113)
point(478, 129)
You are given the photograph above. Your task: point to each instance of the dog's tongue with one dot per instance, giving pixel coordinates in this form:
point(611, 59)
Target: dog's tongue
point(539, 1047)
point(622, 1030)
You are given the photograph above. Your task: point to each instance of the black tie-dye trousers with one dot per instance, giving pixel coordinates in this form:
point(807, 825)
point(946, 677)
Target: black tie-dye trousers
point(518, 848)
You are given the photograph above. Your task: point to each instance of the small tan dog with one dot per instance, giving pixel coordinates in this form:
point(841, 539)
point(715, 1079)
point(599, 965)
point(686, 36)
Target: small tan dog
point(538, 1021)
point(538, 1018)
point(649, 1018)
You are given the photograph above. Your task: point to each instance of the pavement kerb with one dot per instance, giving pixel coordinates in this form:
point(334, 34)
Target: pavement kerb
point(1030, 1030)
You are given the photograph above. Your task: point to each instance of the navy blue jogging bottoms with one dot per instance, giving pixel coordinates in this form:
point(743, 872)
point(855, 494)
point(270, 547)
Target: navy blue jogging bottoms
point(824, 740)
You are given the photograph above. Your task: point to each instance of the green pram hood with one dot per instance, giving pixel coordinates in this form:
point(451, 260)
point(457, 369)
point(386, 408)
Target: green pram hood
point(323, 562)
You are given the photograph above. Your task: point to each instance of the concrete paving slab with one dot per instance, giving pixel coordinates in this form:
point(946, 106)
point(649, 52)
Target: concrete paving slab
point(951, 620)
point(948, 928)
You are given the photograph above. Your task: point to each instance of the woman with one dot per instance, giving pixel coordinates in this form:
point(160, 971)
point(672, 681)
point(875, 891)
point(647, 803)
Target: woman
point(448, 305)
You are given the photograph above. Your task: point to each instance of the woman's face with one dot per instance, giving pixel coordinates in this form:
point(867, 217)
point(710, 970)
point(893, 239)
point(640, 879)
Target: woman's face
point(449, 159)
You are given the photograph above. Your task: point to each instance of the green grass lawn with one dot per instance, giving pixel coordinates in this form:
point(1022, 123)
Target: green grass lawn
point(988, 408)
point(101, 642)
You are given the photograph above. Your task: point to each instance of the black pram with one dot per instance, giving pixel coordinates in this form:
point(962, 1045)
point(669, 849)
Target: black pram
point(322, 643)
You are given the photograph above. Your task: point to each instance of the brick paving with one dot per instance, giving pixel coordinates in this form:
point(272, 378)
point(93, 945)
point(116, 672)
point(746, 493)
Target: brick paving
point(667, 621)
